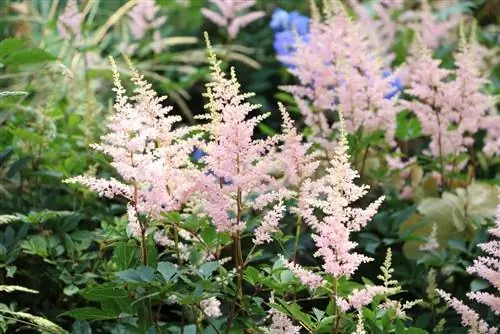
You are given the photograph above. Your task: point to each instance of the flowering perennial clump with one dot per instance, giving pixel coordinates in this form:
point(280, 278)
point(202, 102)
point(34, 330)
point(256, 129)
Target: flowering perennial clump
point(337, 65)
point(151, 157)
point(450, 104)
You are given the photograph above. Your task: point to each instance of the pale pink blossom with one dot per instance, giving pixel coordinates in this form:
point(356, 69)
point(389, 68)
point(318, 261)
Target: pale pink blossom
point(230, 16)
point(332, 194)
point(151, 157)
point(143, 17)
point(339, 66)
point(469, 317)
point(450, 104)
point(281, 324)
point(235, 165)
point(378, 23)
point(69, 24)
point(211, 307)
point(305, 276)
point(269, 224)
point(425, 22)
point(488, 268)
point(134, 227)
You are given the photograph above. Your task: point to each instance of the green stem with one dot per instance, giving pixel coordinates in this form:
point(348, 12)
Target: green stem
point(335, 329)
point(363, 162)
point(238, 261)
point(297, 237)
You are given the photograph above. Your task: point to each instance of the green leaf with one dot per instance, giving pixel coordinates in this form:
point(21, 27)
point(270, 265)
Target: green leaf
point(105, 291)
point(35, 245)
point(10, 45)
point(478, 285)
point(88, 313)
point(123, 255)
point(70, 290)
point(129, 275)
point(167, 270)
point(81, 327)
point(414, 330)
point(139, 275)
point(208, 268)
point(31, 56)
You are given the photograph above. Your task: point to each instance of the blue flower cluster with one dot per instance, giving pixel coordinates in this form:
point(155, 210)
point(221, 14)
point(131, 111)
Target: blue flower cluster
point(396, 84)
point(285, 25)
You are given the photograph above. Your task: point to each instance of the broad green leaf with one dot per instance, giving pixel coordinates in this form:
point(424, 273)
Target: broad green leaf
point(104, 291)
point(123, 254)
point(167, 270)
point(9, 45)
point(88, 313)
point(30, 56)
point(71, 290)
point(208, 268)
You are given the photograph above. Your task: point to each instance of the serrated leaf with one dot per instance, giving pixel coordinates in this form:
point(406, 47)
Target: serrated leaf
point(123, 254)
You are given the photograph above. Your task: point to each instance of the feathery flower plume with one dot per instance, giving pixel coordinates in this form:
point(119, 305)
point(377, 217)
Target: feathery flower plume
point(281, 324)
point(305, 276)
point(151, 157)
point(230, 16)
point(338, 66)
point(378, 23)
point(427, 24)
point(450, 110)
point(69, 24)
point(488, 268)
point(231, 154)
point(333, 194)
point(143, 17)
point(211, 307)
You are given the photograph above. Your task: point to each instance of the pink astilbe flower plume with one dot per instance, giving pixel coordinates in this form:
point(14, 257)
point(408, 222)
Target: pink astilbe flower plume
point(378, 23)
point(236, 165)
point(333, 194)
point(230, 17)
point(338, 65)
point(143, 17)
point(151, 157)
point(425, 22)
point(488, 268)
point(450, 104)
point(69, 23)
